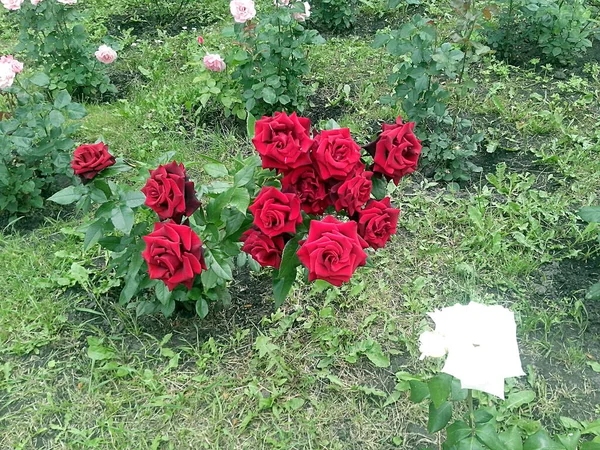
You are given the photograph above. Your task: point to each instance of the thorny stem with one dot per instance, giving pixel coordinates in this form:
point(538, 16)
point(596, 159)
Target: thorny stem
point(470, 404)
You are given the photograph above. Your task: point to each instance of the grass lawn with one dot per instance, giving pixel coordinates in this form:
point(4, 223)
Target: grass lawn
point(329, 369)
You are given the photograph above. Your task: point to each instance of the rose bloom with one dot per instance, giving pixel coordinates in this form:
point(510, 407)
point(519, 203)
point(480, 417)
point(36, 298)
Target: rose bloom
point(265, 250)
point(377, 222)
point(7, 76)
point(169, 193)
point(200, 40)
point(35, 2)
point(17, 66)
point(12, 5)
point(309, 187)
point(173, 254)
point(332, 251)
point(302, 16)
point(242, 10)
point(396, 150)
point(67, 2)
point(214, 62)
point(90, 159)
point(283, 141)
point(276, 213)
point(353, 193)
point(105, 54)
point(336, 154)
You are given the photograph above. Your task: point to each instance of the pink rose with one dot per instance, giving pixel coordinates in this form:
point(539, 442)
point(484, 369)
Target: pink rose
point(200, 40)
point(242, 10)
point(12, 5)
point(67, 2)
point(214, 62)
point(105, 54)
point(16, 66)
point(35, 2)
point(301, 17)
point(7, 76)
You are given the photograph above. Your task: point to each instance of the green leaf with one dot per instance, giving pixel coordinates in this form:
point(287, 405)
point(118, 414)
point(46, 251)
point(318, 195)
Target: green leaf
point(419, 391)
point(62, 99)
point(216, 170)
point(471, 443)
point(488, 435)
point(221, 269)
point(379, 189)
point(96, 351)
point(541, 441)
point(285, 277)
point(590, 446)
point(511, 439)
point(570, 441)
point(56, 118)
point(40, 79)
point(269, 95)
point(457, 432)
point(590, 213)
point(202, 308)
point(66, 196)
point(93, 233)
point(518, 399)
point(162, 292)
point(250, 125)
point(439, 388)
point(245, 174)
point(240, 199)
point(439, 417)
point(594, 292)
point(122, 217)
point(375, 354)
point(133, 199)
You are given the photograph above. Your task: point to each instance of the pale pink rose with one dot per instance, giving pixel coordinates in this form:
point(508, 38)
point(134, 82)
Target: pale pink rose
point(214, 62)
point(7, 75)
point(35, 2)
point(13, 5)
point(67, 2)
point(242, 10)
point(105, 54)
point(301, 17)
point(17, 66)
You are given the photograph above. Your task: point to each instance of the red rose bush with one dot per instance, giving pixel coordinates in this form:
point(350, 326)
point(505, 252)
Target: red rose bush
point(323, 174)
point(314, 203)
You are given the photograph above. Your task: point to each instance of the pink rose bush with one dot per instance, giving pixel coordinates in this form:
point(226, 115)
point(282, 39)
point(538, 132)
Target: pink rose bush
point(105, 54)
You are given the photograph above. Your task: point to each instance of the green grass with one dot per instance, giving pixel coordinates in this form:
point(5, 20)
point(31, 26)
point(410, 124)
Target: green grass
point(77, 370)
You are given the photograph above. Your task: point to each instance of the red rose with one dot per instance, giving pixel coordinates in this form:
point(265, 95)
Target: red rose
point(396, 150)
point(353, 193)
point(336, 154)
point(276, 213)
point(265, 250)
point(169, 193)
point(377, 222)
point(309, 187)
point(332, 251)
point(89, 159)
point(200, 40)
point(174, 254)
point(283, 141)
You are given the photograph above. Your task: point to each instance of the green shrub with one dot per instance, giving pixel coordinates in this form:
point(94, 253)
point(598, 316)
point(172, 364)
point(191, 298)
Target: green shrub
point(334, 15)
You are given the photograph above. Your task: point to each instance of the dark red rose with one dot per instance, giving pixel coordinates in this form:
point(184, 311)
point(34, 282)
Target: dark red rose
point(264, 250)
point(377, 222)
point(396, 150)
point(90, 159)
point(306, 183)
point(169, 193)
point(332, 251)
point(276, 213)
point(353, 193)
point(283, 141)
point(174, 254)
point(335, 154)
